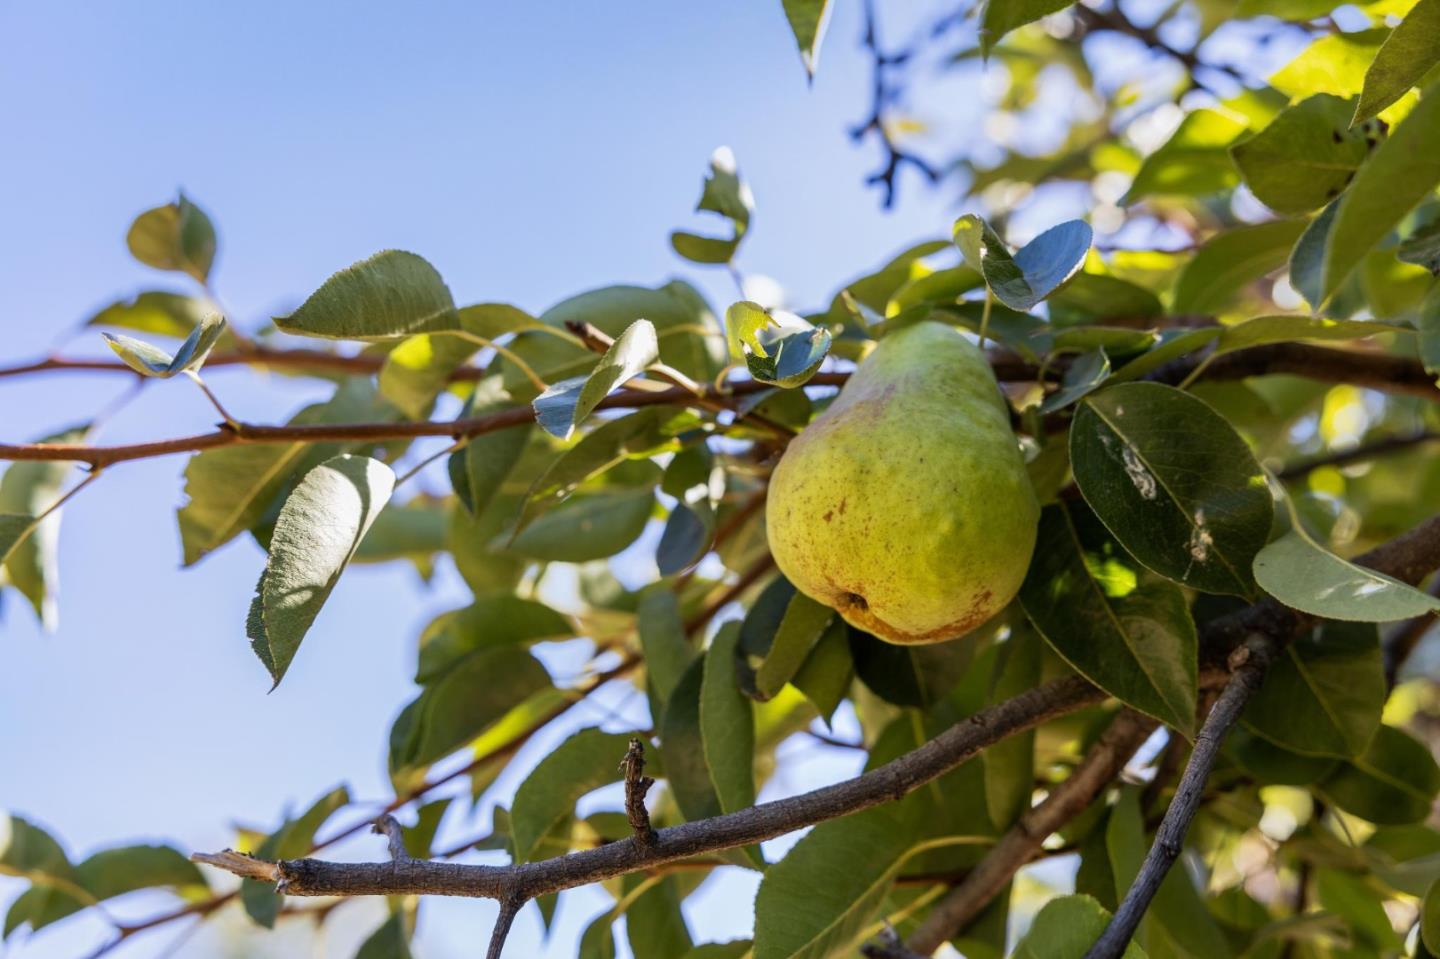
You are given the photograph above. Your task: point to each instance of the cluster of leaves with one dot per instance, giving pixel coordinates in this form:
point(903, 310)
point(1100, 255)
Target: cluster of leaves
point(1160, 516)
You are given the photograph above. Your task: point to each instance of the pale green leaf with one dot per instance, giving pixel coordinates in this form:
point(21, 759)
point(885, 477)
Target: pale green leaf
point(1300, 573)
point(566, 404)
point(1195, 161)
point(1407, 54)
point(154, 311)
point(154, 362)
point(1221, 268)
point(177, 236)
point(318, 531)
point(391, 294)
point(28, 489)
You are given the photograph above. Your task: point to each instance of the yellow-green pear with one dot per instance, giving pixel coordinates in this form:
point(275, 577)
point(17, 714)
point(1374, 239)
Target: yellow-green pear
point(906, 505)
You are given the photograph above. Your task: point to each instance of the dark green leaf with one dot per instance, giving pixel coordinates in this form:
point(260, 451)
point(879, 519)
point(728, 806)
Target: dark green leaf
point(391, 294)
point(1140, 648)
point(588, 526)
point(683, 746)
point(1323, 695)
point(566, 404)
point(1263, 330)
point(1430, 918)
point(1273, 765)
point(177, 236)
point(686, 539)
point(825, 676)
point(1393, 782)
point(461, 703)
point(1221, 268)
point(1097, 297)
point(1407, 54)
point(668, 652)
point(1301, 573)
point(1173, 482)
point(1009, 765)
point(654, 925)
point(1305, 157)
point(1307, 260)
point(1403, 171)
point(390, 941)
point(1066, 928)
point(583, 763)
point(1085, 374)
point(1422, 247)
point(1429, 323)
point(318, 531)
point(797, 917)
point(805, 621)
point(727, 724)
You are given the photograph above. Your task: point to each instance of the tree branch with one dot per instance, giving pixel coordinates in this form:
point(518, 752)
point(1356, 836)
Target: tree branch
point(882, 94)
point(1359, 454)
point(1125, 734)
point(1377, 371)
point(1250, 662)
point(508, 909)
point(310, 877)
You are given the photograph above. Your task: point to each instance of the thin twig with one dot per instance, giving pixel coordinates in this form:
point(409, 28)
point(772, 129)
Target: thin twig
point(389, 827)
point(883, 92)
point(230, 421)
point(508, 909)
point(1358, 454)
point(1248, 663)
point(637, 784)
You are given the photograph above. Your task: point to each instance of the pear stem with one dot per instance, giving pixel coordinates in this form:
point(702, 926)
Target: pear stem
point(985, 317)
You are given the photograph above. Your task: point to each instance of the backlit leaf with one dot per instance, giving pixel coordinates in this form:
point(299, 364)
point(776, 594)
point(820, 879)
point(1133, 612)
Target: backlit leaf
point(1221, 268)
point(808, 19)
point(391, 294)
point(566, 404)
point(176, 236)
point(1305, 157)
point(1410, 50)
point(318, 531)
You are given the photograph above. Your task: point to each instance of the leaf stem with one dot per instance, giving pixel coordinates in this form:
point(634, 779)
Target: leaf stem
point(503, 351)
point(230, 421)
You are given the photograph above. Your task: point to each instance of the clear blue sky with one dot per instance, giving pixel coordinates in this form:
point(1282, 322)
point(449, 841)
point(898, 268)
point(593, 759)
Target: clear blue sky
point(529, 153)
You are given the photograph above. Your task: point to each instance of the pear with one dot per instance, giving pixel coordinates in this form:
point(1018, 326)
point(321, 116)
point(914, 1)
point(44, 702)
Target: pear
point(906, 505)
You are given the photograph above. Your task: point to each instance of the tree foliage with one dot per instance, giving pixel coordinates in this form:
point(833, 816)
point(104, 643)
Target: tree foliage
point(1210, 295)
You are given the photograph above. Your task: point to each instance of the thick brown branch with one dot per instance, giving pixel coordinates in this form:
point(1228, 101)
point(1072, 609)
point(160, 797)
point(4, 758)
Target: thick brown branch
point(1126, 733)
point(1376, 371)
point(309, 877)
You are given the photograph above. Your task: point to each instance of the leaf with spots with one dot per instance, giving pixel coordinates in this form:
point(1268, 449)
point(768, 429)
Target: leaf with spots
point(1174, 483)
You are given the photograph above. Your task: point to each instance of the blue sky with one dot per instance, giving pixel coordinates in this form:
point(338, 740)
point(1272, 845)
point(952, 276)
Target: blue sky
point(529, 154)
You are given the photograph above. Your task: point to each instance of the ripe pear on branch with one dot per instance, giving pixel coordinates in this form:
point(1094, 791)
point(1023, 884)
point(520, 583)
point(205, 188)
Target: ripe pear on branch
point(906, 505)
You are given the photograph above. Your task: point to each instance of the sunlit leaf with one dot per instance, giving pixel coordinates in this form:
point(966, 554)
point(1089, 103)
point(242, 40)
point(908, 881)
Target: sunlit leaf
point(808, 19)
point(391, 294)
point(566, 404)
point(1305, 157)
point(177, 236)
point(1300, 573)
point(154, 362)
point(1410, 50)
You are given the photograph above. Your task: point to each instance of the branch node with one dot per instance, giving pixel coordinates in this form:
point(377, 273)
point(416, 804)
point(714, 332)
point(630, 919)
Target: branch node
point(509, 906)
point(389, 827)
point(637, 784)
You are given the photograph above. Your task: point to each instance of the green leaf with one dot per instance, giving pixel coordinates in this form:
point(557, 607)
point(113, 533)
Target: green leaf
point(1084, 376)
point(31, 853)
point(1001, 16)
point(566, 404)
point(1222, 267)
point(805, 621)
point(155, 311)
point(1273, 765)
point(1305, 157)
point(689, 335)
point(1407, 54)
point(682, 744)
point(588, 526)
point(1358, 900)
point(1066, 928)
point(1429, 324)
point(727, 724)
point(1035, 271)
point(1422, 248)
point(798, 917)
point(1177, 922)
point(461, 703)
point(1403, 171)
point(726, 194)
point(1097, 297)
point(177, 236)
point(654, 925)
point(1263, 330)
point(1301, 573)
point(154, 362)
point(489, 622)
point(1195, 161)
point(391, 294)
point(419, 368)
point(825, 675)
point(1392, 783)
point(583, 763)
point(28, 489)
point(1174, 483)
point(319, 529)
point(736, 949)
point(1173, 345)
point(686, 539)
point(908, 675)
point(14, 528)
point(668, 652)
point(1307, 260)
point(792, 359)
point(808, 19)
point(1430, 918)
point(1140, 648)
point(105, 875)
point(231, 488)
point(1335, 63)
point(1010, 764)
point(743, 322)
point(390, 941)
point(1324, 694)
point(292, 840)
